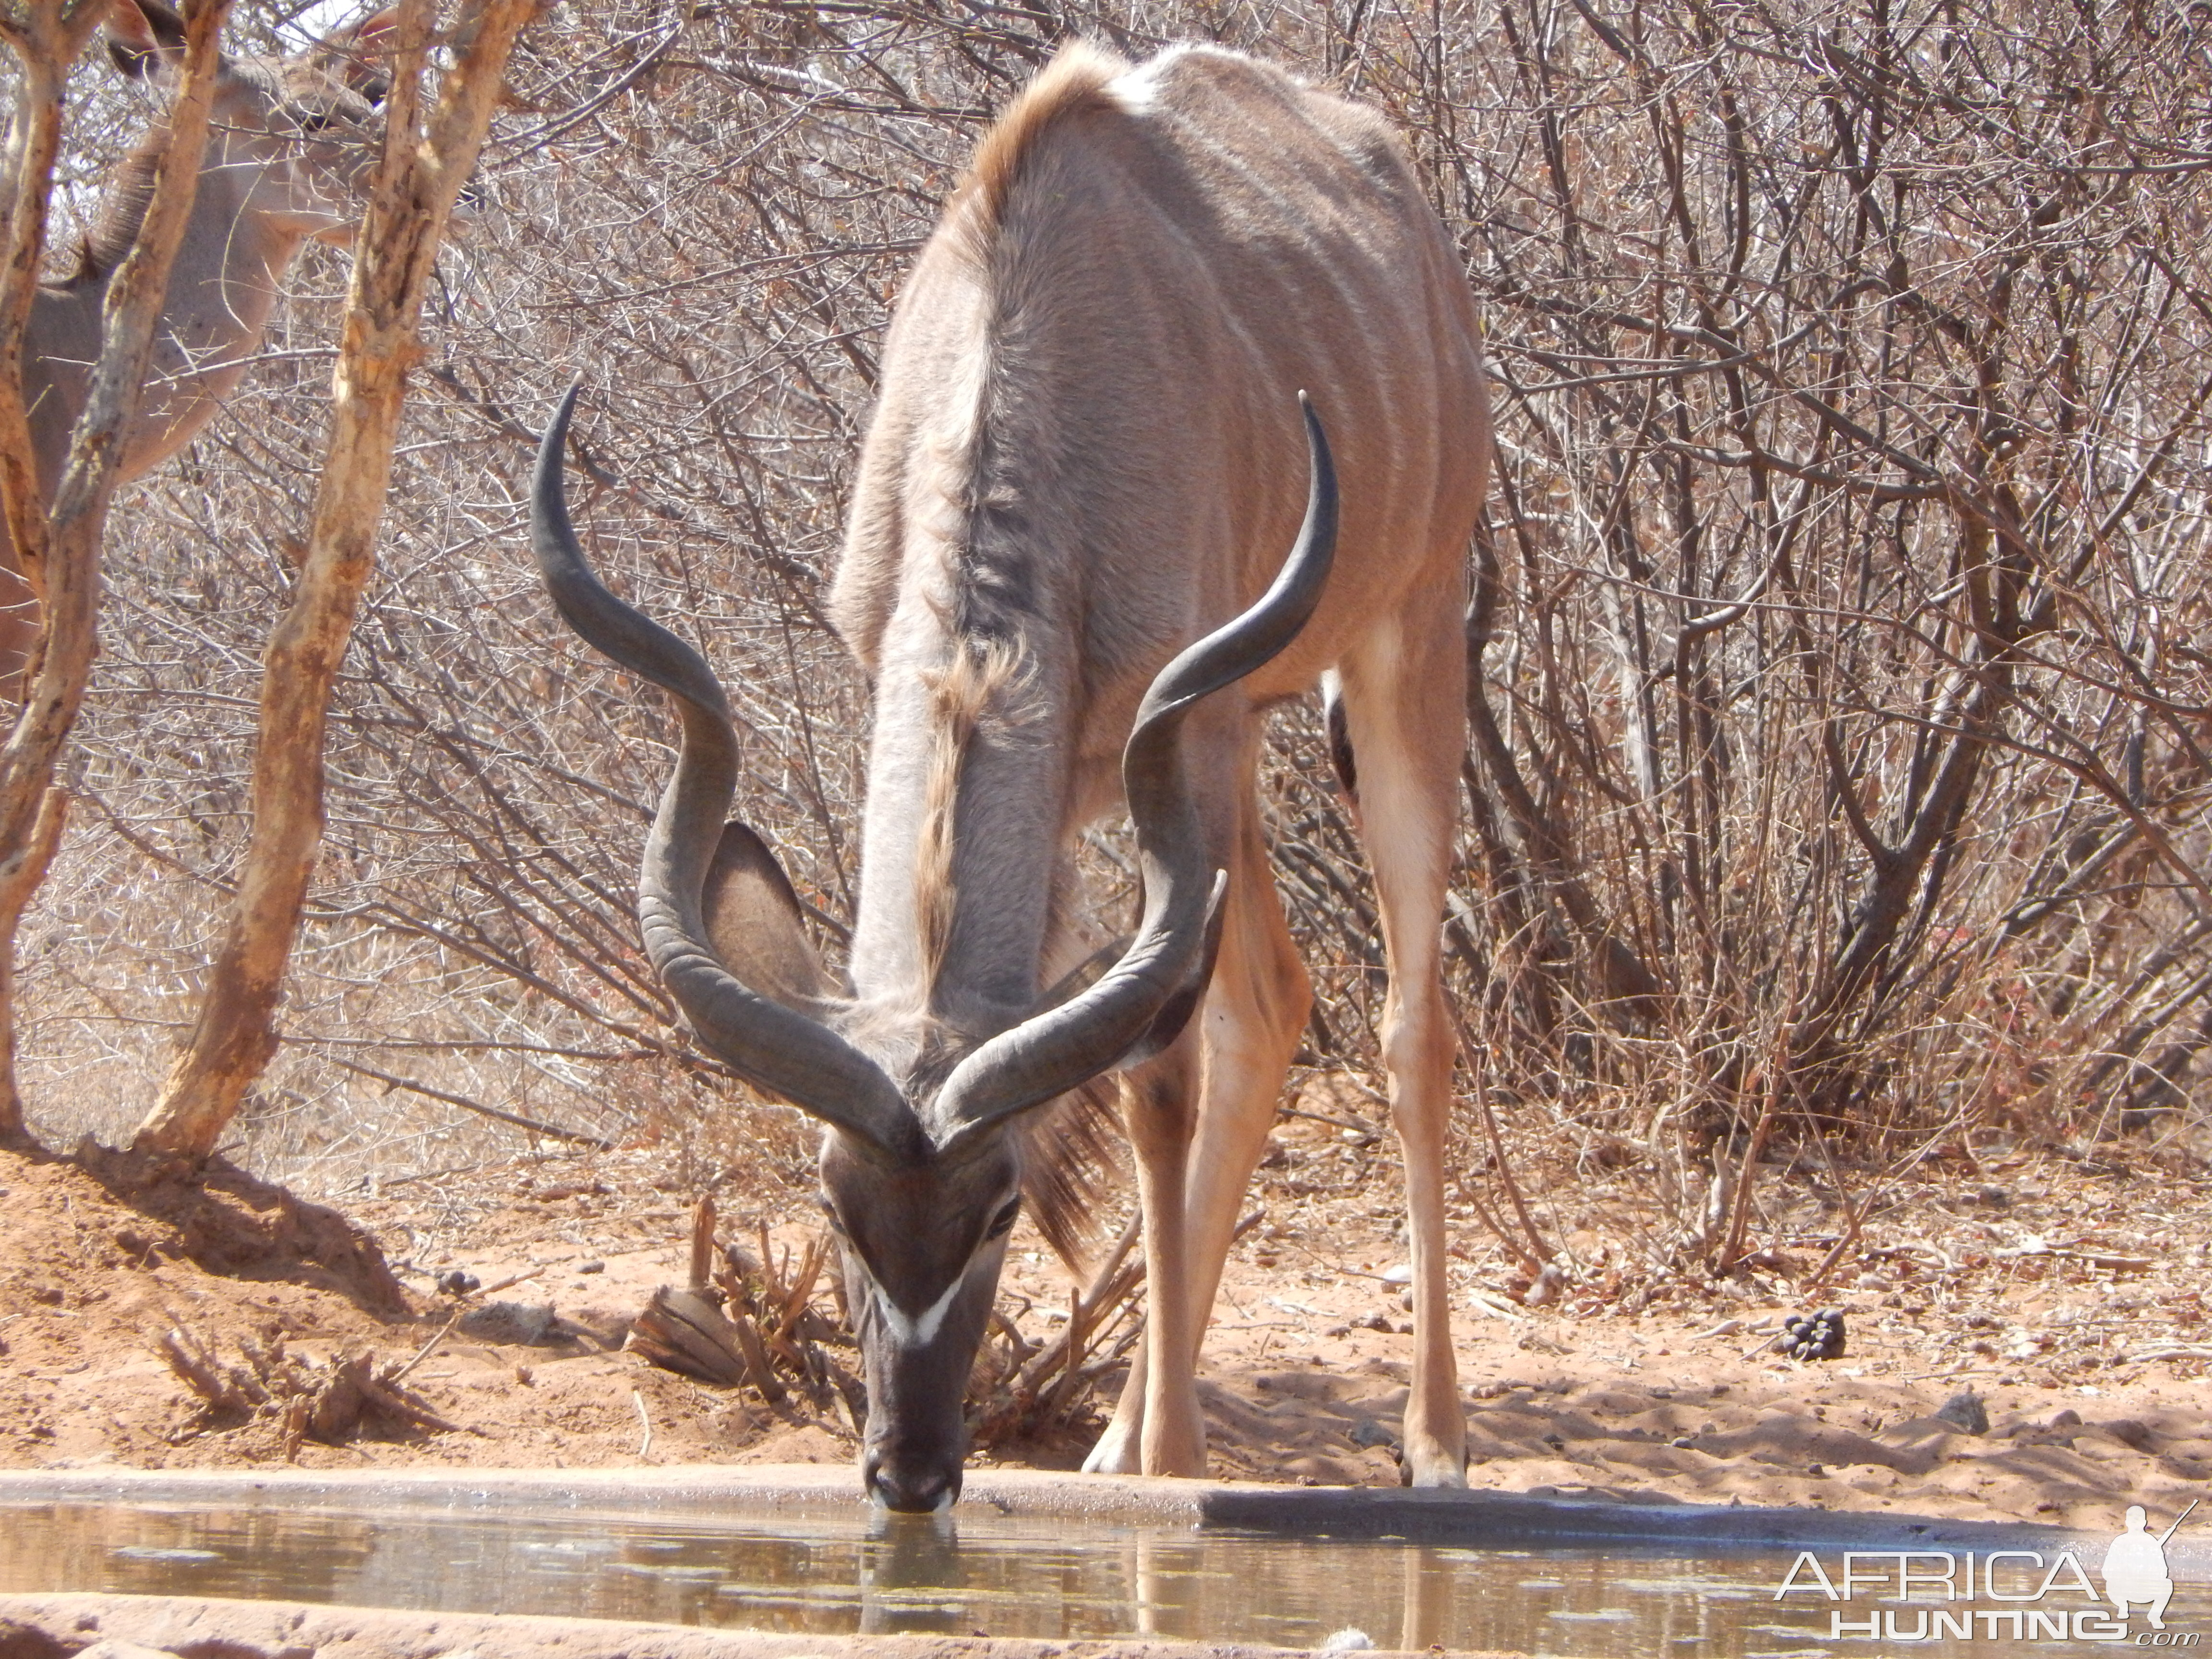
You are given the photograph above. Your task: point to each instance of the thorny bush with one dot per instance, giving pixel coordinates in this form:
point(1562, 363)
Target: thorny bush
point(1839, 765)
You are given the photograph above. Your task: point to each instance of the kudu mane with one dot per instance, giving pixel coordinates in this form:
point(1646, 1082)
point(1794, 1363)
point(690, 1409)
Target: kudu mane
point(1070, 1147)
point(969, 458)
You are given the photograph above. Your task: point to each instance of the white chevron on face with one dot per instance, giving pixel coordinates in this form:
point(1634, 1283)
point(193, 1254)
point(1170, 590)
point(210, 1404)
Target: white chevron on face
point(910, 1332)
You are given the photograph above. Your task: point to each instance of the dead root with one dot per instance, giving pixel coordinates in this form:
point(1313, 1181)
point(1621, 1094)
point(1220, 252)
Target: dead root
point(327, 1400)
point(751, 1320)
point(1021, 1390)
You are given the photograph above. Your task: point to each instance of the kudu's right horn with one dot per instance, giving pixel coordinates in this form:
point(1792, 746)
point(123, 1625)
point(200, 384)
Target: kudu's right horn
point(770, 1046)
point(1140, 1004)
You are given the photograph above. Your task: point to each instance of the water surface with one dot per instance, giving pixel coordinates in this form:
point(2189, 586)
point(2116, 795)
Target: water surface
point(843, 1570)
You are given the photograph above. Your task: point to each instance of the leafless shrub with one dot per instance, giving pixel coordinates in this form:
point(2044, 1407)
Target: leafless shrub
point(1838, 793)
point(752, 1320)
point(1022, 1391)
point(328, 1401)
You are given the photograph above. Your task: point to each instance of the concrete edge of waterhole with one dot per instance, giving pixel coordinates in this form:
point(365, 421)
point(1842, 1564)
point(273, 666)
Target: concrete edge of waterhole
point(213, 1629)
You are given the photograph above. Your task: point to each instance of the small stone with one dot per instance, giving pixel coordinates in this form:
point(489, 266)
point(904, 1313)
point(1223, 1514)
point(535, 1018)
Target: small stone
point(1348, 1640)
point(1546, 1287)
point(456, 1282)
point(594, 1265)
point(525, 1324)
point(1964, 1412)
point(1368, 1432)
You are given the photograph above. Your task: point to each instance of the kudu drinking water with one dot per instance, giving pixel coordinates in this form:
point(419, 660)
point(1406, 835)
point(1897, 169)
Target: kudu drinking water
point(1085, 457)
point(289, 152)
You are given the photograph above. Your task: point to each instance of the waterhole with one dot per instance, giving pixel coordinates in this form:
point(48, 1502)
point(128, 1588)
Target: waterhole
point(843, 1570)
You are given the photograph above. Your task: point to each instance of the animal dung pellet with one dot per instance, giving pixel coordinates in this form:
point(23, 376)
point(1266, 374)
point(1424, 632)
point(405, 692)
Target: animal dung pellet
point(1814, 1336)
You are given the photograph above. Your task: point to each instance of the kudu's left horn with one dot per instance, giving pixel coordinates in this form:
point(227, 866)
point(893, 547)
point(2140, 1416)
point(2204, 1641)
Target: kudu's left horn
point(770, 1046)
point(1140, 1004)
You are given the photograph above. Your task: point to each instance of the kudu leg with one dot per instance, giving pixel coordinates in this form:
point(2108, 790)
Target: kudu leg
point(1254, 1014)
point(1164, 1432)
point(1255, 1011)
point(19, 623)
point(1404, 694)
point(1120, 1451)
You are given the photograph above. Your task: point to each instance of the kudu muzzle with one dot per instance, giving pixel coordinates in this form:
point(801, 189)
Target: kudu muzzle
point(917, 1381)
point(916, 1439)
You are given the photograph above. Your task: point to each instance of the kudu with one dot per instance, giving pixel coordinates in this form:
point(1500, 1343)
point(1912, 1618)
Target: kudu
point(288, 153)
point(1084, 459)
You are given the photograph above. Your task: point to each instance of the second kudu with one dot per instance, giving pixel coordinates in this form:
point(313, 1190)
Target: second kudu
point(288, 153)
point(1087, 457)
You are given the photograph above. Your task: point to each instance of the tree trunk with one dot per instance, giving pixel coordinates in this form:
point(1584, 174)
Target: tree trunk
point(58, 544)
point(423, 171)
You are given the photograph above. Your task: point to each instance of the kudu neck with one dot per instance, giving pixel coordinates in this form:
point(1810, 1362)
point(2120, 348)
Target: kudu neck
point(967, 782)
point(223, 287)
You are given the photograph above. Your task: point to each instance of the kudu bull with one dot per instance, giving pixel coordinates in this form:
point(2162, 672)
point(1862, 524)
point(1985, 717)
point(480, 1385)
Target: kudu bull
point(288, 154)
point(1084, 459)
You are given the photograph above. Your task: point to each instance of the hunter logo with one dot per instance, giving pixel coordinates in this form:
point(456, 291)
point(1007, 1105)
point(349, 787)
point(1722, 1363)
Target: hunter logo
point(2034, 1597)
point(2134, 1567)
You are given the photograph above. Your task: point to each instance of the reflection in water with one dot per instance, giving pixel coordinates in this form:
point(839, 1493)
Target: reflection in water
point(911, 1578)
point(1429, 1580)
point(834, 1569)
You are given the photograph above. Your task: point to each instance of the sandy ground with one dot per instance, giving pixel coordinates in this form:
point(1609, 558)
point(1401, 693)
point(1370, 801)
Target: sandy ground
point(146, 1627)
point(2067, 1295)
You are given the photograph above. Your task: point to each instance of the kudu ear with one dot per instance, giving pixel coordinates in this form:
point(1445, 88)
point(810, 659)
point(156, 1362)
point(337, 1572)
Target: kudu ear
point(1081, 977)
point(757, 925)
point(360, 54)
point(142, 35)
point(1175, 1014)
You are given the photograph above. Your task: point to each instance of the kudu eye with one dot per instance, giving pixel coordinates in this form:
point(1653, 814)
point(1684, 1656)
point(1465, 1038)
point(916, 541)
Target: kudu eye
point(1003, 1223)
